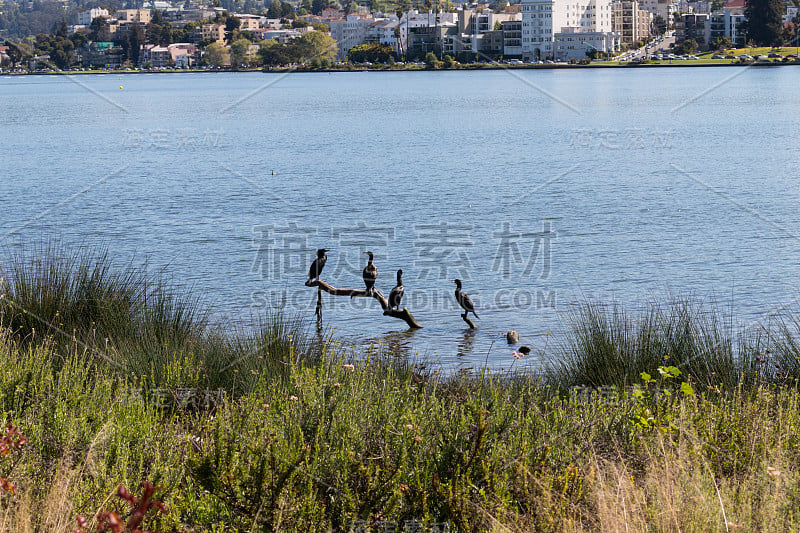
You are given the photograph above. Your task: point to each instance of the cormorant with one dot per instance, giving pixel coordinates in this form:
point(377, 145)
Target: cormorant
point(370, 273)
point(397, 293)
point(464, 300)
point(317, 265)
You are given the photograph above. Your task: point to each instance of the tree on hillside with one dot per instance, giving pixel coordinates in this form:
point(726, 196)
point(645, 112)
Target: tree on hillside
point(231, 28)
point(275, 9)
point(764, 21)
point(318, 5)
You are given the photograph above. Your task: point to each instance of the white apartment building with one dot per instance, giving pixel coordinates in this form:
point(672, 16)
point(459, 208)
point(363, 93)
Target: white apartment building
point(85, 18)
point(350, 32)
point(546, 21)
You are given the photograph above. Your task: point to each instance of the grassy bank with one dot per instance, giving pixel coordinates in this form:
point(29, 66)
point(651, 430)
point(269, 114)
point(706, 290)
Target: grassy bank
point(663, 420)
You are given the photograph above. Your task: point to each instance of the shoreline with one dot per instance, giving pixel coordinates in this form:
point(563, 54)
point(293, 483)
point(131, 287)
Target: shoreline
point(419, 68)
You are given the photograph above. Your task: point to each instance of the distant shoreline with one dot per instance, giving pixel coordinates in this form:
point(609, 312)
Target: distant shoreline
point(387, 68)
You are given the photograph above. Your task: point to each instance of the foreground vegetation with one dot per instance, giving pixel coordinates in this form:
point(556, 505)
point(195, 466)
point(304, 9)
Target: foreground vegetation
point(669, 419)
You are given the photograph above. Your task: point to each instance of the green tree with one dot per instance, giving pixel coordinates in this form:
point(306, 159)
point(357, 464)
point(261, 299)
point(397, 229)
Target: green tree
point(218, 55)
point(275, 9)
point(449, 62)
point(99, 30)
point(721, 43)
point(660, 24)
point(272, 52)
point(689, 46)
point(315, 44)
point(287, 10)
point(231, 28)
point(372, 53)
point(318, 5)
point(239, 52)
point(431, 61)
point(764, 22)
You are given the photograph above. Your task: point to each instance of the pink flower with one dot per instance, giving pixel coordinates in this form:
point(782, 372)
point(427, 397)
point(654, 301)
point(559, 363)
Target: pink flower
point(518, 355)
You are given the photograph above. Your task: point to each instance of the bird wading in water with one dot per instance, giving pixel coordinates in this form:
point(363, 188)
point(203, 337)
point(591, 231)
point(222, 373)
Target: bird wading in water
point(317, 265)
point(370, 274)
point(464, 300)
point(397, 292)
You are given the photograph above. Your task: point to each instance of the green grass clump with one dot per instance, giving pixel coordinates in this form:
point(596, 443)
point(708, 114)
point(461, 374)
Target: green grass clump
point(137, 325)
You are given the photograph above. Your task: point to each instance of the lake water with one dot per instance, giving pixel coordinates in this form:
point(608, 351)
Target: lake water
point(537, 188)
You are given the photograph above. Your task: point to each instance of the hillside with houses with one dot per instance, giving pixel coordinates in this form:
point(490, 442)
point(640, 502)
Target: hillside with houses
point(161, 34)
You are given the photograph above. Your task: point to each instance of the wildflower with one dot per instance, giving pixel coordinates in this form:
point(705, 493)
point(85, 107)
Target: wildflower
point(265, 406)
point(6, 485)
point(417, 439)
point(348, 367)
point(774, 472)
point(517, 355)
point(292, 398)
point(337, 385)
point(403, 487)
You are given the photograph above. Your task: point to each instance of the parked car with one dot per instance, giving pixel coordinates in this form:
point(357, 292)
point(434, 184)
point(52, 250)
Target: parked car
point(746, 57)
point(718, 56)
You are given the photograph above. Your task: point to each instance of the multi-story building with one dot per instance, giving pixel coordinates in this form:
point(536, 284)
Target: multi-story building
point(214, 33)
point(477, 31)
point(631, 21)
point(658, 8)
point(412, 21)
point(384, 31)
point(85, 18)
point(546, 21)
point(726, 23)
point(250, 22)
point(141, 16)
point(350, 32)
point(512, 38)
point(692, 26)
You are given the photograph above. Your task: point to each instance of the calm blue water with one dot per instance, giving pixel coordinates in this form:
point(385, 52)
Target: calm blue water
point(538, 188)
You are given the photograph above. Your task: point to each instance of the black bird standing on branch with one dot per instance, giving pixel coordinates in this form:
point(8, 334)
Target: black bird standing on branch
point(397, 293)
point(370, 273)
point(317, 265)
point(464, 300)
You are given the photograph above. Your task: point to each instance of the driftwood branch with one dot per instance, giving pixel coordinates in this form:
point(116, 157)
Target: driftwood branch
point(402, 314)
point(469, 322)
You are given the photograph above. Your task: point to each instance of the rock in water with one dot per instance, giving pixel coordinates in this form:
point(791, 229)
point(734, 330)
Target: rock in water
point(512, 337)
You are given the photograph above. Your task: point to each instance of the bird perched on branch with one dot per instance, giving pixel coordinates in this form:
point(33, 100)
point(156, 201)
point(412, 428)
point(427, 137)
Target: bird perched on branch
point(464, 300)
point(397, 292)
point(370, 273)
point(317, 265)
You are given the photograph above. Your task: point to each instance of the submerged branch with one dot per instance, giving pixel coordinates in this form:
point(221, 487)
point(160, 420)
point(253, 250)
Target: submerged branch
point(402, 314)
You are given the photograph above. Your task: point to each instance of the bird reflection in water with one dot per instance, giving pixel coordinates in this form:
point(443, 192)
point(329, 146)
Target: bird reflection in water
point(467, 342)
point(397, 343)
